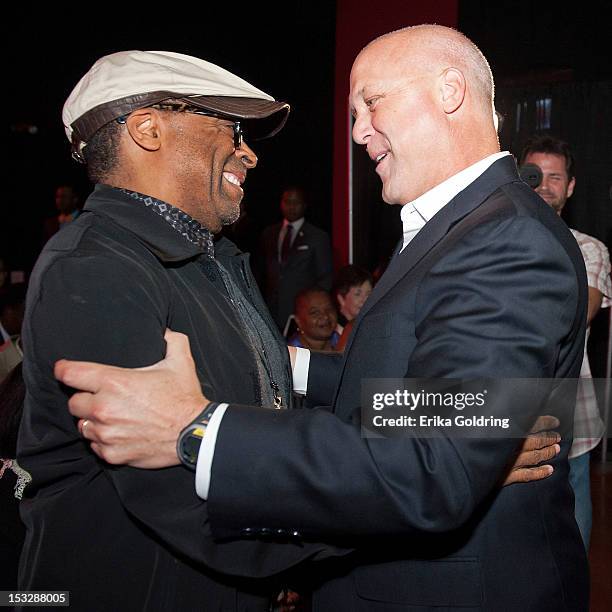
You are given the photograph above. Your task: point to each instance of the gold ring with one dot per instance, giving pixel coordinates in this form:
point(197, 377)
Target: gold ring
point(84, 424)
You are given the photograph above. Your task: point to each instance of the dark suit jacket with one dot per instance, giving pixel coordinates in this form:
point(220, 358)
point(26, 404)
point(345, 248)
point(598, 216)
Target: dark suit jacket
point(493, 286)
point(309, 264)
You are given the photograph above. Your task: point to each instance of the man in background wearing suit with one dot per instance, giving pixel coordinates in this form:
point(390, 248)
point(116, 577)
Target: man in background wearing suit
point(489, 283)
point(296, 255)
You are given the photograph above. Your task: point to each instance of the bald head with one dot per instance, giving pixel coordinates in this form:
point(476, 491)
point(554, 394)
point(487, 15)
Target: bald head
point(440, 47)
point(422, 98)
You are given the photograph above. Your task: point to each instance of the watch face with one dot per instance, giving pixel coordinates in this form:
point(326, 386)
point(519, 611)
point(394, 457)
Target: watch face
point(190, 445)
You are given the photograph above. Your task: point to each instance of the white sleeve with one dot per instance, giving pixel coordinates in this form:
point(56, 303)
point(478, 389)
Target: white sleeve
point(207, 451)
point(300, 371)
point(207, 448)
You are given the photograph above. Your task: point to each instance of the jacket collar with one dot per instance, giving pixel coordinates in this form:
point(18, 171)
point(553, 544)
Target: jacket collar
point(154, 231)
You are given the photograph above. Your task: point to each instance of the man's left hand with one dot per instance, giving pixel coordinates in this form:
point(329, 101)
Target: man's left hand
point(538, 446)
point(134, 416)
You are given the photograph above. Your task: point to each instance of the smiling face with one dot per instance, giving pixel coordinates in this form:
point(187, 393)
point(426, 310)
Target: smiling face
point(398, 119)
point(422, 99)
point(206, 169)
point(316, 315)
point(556, 186)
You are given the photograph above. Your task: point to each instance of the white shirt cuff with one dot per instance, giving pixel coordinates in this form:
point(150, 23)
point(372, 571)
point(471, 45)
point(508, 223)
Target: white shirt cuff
point(300, 371)
point(207, 451)
point(207, 448)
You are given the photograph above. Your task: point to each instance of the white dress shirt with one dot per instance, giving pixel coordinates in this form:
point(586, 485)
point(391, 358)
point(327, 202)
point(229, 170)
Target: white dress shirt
point(414, 215)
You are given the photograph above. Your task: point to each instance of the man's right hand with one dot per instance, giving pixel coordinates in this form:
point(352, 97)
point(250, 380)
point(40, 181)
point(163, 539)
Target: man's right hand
point(134, 416)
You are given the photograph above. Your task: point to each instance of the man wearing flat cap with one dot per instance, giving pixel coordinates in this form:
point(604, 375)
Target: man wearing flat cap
point(162, 137)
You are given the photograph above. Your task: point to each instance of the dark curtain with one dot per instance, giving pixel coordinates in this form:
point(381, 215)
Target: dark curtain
point(377, 226)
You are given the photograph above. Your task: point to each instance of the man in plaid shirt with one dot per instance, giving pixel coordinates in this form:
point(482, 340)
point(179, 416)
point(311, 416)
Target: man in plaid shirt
point(556, 162)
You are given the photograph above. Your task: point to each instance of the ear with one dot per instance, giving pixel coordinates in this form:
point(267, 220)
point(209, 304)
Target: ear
point(453, 89)
point(570, 187)
point(145, 128)
point(341, 299)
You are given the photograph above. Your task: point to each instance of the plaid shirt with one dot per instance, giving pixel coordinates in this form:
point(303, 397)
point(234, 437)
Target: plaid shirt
point(588, 426)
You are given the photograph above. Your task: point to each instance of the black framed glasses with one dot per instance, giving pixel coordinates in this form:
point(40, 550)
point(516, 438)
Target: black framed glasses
point(195, 110)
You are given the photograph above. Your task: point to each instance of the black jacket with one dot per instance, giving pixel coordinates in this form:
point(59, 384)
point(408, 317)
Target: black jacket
point(105, 289)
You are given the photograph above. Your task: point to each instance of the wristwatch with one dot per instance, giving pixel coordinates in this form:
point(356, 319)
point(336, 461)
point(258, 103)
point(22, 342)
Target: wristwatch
point(190, 439)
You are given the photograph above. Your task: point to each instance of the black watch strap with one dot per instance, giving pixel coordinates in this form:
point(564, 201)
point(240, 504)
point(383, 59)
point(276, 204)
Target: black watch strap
point(190, 439)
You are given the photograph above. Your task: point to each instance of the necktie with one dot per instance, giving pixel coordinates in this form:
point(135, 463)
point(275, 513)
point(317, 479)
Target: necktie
point(286, 245)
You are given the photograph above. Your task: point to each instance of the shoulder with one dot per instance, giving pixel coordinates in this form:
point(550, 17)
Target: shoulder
point(91, 256)
point(521, 237)
point(526, 220)
point(312, 231)
point(590, 245)
point(502, 255)
point(92, 232)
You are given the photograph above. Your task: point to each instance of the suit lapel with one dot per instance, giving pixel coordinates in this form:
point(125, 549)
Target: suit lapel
point(298, 241)
point(503, 171)
point(301, 237)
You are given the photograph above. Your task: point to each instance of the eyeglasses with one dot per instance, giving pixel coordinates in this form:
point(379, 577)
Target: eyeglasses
point(194, 110)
